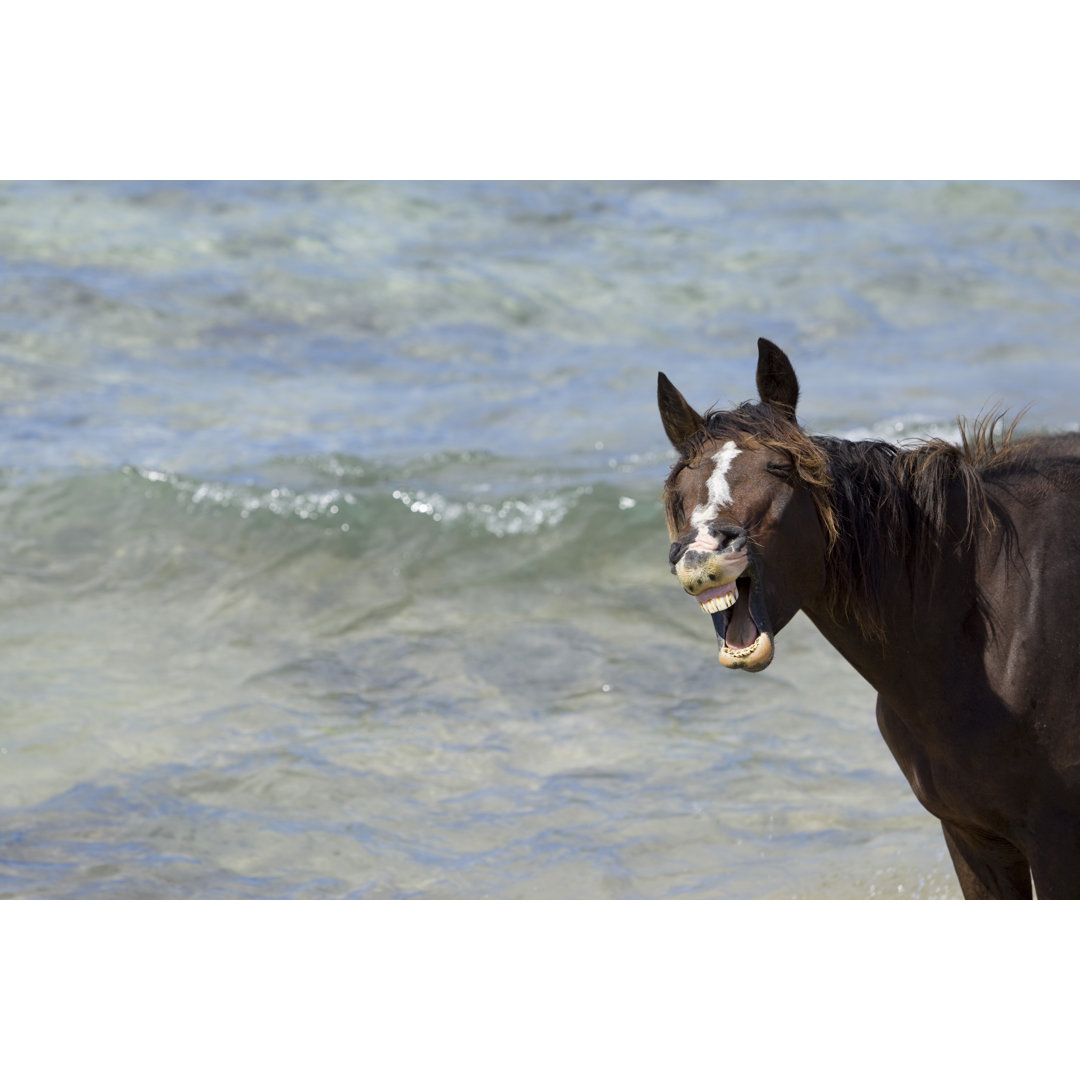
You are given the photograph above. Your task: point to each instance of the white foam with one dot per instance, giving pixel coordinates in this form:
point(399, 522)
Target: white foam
point(511, 517)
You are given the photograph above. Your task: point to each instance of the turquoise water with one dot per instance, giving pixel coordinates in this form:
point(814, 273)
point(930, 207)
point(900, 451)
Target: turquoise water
point(332, 562)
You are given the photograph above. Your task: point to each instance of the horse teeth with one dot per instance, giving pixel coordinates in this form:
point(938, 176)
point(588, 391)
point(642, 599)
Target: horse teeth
point(720, 603)
point(741, 654)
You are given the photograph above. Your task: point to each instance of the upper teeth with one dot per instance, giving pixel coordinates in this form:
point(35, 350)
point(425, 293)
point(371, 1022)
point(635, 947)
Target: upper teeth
point(722, 602)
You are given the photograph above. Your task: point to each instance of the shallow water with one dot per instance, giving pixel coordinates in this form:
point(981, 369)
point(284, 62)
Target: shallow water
point(332, 557)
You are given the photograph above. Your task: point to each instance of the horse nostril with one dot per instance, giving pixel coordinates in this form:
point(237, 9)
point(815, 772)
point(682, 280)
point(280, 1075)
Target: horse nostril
point(675, 552)
point(737, 543)
point(730, 537)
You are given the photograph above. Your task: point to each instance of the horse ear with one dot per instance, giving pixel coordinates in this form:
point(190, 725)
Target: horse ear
point(776, 380)
point(680, 421)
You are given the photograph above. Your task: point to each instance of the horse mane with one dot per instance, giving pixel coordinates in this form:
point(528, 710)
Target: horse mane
point(880, 504)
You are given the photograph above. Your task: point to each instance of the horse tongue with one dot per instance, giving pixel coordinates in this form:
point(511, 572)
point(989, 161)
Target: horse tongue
point(741, 628)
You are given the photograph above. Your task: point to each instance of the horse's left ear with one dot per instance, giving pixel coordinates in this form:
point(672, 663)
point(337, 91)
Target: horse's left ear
point(776, 380)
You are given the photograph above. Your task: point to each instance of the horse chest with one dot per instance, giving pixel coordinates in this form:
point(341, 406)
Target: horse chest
point(957, 772)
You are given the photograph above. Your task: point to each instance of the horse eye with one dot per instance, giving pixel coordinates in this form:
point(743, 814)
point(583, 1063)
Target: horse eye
point(781, 470)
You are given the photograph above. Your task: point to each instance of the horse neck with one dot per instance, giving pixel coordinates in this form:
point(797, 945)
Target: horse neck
point(900, 587)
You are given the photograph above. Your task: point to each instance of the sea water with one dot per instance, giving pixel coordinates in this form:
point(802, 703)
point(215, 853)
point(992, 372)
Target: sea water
point(332, 560)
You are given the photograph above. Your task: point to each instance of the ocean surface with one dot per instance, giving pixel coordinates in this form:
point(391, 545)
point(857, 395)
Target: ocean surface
point(332, 560)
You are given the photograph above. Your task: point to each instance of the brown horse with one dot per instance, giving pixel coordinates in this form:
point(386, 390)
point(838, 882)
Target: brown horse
point(947, 576)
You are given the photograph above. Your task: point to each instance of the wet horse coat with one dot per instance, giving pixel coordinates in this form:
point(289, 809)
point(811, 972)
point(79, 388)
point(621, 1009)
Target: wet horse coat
point(947, 576)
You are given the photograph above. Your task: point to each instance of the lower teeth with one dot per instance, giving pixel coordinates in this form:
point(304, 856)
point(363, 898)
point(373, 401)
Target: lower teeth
point(740, 653)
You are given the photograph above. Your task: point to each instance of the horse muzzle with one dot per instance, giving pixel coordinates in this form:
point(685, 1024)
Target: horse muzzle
point(713, 572)
point(725, 584)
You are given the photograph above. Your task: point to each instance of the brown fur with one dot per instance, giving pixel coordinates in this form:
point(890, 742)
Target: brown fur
point(875, 500)
point(949, 577)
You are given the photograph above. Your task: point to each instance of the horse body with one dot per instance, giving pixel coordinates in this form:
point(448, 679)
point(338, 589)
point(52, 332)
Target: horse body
point(979, 708)
point(947, 576)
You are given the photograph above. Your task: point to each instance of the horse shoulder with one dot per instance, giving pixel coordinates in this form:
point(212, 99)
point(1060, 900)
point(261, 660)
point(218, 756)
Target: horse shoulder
point(1029, 578)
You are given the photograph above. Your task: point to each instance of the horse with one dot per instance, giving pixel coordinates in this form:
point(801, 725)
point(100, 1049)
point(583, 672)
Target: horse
point(947, 575)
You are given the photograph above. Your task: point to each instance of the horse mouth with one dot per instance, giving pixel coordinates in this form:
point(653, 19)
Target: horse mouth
point(741, 622)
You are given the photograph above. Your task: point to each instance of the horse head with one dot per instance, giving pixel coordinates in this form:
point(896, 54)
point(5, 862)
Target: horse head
point(744, 511)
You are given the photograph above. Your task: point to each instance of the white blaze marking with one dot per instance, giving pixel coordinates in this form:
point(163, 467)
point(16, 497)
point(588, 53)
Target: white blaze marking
point(719, 490)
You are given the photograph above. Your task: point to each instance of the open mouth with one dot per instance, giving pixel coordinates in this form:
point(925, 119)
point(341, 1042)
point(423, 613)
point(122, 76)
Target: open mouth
point(742, 639)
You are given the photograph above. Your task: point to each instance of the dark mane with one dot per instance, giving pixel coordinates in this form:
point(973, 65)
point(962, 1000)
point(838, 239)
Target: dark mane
point(881, 505)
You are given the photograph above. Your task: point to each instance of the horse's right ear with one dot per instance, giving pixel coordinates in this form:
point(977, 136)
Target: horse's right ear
point(680, 421)
point(776, 380)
